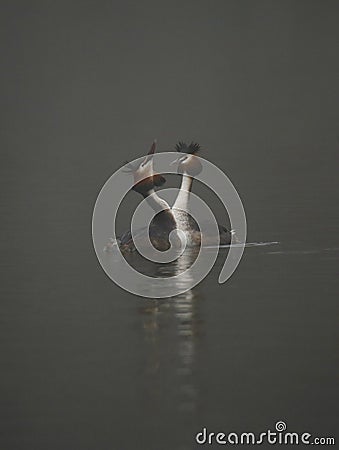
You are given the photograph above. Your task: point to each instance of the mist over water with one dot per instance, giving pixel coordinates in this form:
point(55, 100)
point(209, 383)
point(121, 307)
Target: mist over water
point(86, 365)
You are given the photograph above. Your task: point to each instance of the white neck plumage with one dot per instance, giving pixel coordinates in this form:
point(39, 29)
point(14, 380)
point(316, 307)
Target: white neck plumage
point(155, 202)
point(182, 199)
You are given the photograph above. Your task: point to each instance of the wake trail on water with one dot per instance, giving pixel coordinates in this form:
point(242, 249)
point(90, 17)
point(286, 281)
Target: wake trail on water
point(248, 244)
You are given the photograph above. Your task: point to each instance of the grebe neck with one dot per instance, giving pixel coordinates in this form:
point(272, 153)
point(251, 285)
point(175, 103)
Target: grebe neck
point(155, 202)
point(181, 202)
point(164, 220)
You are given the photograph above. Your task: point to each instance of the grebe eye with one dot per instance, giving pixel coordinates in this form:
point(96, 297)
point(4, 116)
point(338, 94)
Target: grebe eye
point(183, 158)
point(146, 160)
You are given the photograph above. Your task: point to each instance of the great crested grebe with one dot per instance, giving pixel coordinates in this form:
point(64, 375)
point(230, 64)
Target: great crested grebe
point(189, 166)
point(163, 223)
point(167, 219)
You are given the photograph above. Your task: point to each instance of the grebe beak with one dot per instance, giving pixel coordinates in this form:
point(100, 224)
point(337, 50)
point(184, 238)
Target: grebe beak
point(178, 160)
point(153, 148)
point(150, 152)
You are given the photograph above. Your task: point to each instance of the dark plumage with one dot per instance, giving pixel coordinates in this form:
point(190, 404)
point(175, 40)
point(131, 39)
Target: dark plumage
point(192, 148)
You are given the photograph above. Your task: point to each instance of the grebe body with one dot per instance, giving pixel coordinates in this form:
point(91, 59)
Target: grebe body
point(189, 166)
point(163, 223)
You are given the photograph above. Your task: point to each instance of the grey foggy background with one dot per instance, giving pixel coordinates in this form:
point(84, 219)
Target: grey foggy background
point(86, 85)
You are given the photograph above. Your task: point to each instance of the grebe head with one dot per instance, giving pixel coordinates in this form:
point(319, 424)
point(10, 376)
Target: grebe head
point(144, 177)
point(188, 164)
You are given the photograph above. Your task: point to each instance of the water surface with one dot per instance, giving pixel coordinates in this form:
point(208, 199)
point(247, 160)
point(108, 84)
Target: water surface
point(88, 366)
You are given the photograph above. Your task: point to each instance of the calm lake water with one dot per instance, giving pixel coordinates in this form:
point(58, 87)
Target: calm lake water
point(88, 366)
